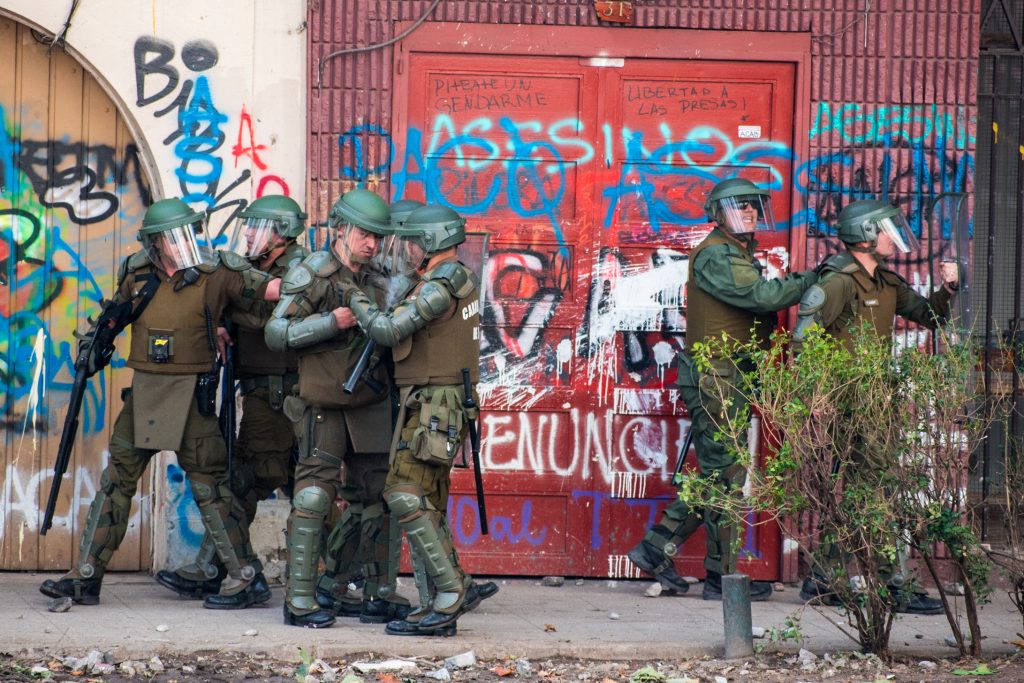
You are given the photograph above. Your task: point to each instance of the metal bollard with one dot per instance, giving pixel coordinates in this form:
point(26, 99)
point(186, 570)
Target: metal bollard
point(739, 639)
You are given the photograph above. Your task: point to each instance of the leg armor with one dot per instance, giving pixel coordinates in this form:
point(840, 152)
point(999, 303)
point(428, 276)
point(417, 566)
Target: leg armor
point(423, 526)
point(341, 551)
point(105, 525)
point(230, 536)
point(206, 565)
point(305, 528)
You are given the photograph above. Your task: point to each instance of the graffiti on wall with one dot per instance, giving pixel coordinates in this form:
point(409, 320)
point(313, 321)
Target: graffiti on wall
point(199, 129)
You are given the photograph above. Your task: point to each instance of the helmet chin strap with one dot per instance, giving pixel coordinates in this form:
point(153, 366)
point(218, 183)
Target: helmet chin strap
point(868, 250)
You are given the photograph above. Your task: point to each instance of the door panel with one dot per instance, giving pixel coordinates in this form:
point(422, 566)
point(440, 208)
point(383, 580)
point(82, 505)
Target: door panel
point(591, 182)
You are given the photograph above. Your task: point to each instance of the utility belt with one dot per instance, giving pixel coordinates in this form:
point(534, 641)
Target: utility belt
point(442, 425)
point(277, 386)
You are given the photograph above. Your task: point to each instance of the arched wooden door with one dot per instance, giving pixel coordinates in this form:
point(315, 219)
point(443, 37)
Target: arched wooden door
point(72, 191)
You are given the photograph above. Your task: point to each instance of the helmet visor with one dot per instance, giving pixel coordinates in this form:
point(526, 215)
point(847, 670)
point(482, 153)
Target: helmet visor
point(355, 245)
point(898, 230)
point(744, 215)
point(407, 255)
point(176, 249)
point(403, 262)
point(255, 237)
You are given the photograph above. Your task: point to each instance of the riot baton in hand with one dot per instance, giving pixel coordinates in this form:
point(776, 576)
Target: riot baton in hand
point(96, 352)
point(677, 475)
point(474, 440)
point(361, 372)
point(67, 437)
point(228, 415)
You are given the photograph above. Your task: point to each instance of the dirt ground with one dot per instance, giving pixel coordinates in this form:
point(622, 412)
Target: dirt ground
point(765, 668)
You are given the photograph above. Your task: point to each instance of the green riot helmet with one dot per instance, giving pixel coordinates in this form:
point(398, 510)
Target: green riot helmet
point(358, 221)
point(401, 209)
point(268, 222)
point(739, 207)
point(426, 231)
point(168, 234)
point(865, 219)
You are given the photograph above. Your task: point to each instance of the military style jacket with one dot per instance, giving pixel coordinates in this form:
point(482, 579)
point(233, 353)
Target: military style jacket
point(437, 353)
point(727, 292)
point(852, 297)
point(434, 332)
point(313, 288)
point(252, 356)
point(173, 341)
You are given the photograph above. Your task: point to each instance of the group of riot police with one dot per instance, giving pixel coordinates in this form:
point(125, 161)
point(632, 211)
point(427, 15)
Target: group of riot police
point(355, 365)
point(728, 295)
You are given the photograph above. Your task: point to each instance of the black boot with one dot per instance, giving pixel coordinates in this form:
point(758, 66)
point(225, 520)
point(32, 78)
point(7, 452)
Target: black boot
point(653, 561)
point(337, 606)
point(81, 591)
point(817, 587)
point(478, 592)
point(255, 593)
point(470, 601)
point(381, 611)
point(910, 601)
point(412, 628)
point(321, 618)
point(189, 588)
point(759, 590)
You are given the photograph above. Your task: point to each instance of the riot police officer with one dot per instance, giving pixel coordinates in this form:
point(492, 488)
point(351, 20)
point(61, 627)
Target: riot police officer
point(178, 292)
point(855, 287)
point(433, 332)
point(265, 236)
point(726, 294)
point(343, 566)
point(333, 428)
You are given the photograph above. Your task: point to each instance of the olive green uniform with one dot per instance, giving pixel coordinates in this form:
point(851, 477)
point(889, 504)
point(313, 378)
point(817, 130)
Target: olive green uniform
point(726, 293)
point(172, 344)
point(847, 298)
point(434, 334)
point(333, 428)
point(852, 297)
point(263, 451)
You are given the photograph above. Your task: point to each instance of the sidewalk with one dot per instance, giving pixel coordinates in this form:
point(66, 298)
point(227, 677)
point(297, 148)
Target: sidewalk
point(591, 619)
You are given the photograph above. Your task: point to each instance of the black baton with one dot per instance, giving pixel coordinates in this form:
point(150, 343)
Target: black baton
point(683, 452)
point(474, 439)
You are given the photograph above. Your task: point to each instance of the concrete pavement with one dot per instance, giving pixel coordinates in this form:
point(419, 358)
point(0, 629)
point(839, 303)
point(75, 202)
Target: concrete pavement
point(591, 619)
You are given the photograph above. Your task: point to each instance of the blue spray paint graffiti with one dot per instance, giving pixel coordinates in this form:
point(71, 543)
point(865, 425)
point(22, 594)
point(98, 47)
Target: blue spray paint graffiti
point(463, 168)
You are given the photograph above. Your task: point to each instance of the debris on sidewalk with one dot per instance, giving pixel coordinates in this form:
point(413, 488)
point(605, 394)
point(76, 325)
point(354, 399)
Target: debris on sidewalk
point(400, 665)
point(461, 661)
point(59, 604)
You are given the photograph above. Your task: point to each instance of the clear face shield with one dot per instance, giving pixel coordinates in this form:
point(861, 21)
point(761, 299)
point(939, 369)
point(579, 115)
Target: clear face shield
point(744, 215)
point(354, 245)
point(404, 261)
point(177, 249)
point(254, 237)
point(897, 229)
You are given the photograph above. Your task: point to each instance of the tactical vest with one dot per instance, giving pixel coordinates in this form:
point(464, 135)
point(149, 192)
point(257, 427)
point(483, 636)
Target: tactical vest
point(874, 298)
point(172, 336)
point(437, 353)
point(253, 358)
point(707, 317)
point(324, 368)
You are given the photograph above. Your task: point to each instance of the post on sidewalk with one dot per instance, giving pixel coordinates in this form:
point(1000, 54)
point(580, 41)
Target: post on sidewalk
point(739, 639)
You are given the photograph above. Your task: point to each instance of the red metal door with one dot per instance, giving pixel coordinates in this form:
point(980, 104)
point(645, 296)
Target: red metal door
point(589, 175)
